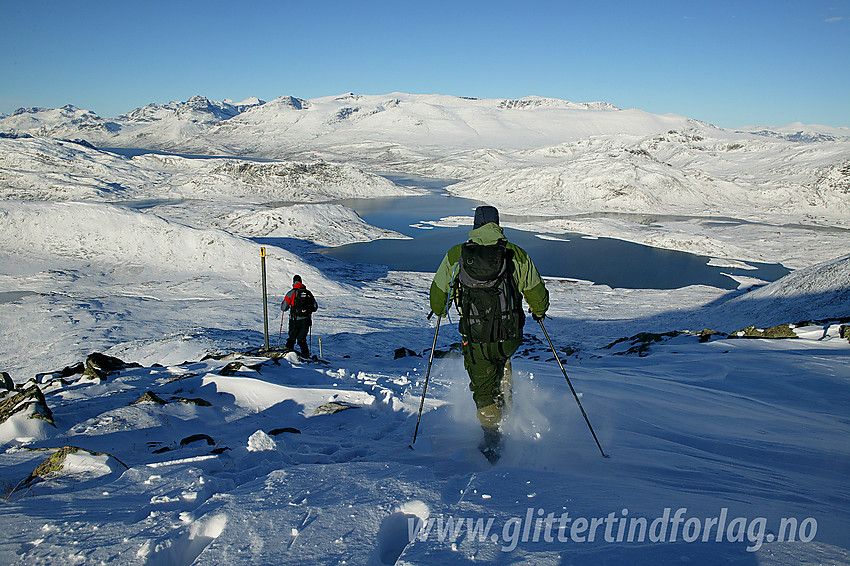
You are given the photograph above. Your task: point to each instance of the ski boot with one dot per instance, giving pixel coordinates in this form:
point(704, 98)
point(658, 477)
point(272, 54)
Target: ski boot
point(492, 445)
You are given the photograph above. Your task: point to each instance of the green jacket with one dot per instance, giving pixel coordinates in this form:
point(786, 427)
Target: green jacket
point(526, 276)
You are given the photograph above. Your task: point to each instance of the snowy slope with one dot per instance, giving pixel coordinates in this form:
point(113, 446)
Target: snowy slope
point(51, 169)
point(324, 224)
point(207, 453)
point(672, 173)
point(245, 468)
point(122, 238)
point(817, 292)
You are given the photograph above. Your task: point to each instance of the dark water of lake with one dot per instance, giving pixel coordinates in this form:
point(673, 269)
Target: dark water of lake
point(607, 261)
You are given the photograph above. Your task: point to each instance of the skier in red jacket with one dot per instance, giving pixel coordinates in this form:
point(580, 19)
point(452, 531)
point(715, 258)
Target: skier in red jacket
point(301, 304)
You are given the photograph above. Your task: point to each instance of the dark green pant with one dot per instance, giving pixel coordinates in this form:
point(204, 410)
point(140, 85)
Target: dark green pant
point(298, 330)
point(485, 364)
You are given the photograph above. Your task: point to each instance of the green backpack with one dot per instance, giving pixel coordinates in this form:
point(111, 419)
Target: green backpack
point(486, 295)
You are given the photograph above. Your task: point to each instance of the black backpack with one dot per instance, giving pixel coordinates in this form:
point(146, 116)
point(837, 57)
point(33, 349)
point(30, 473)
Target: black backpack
point(303, 303)
point(486, 294)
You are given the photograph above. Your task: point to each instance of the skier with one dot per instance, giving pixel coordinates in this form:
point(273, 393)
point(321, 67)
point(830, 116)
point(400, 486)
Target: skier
point(301, 304)
point(485, 278)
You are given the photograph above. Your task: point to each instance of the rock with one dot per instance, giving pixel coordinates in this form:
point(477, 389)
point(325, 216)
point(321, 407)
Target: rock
point(781, 331)
point(30, 398)
point(706, 334)
point(641, 342)
point(404, 353)
point(56, 462)
point(197, 438)
point(274, 355)
point(222, 356)
point(98, 366)
point(230, 368)
point(569, 351)
point(6, 381)
point(276, 431)
point(183, 376)
point(67, 371)
point(333, 407)
point(149, 397)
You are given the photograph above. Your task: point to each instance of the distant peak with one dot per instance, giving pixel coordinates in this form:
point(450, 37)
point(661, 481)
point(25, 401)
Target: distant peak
point(291, 101)
point(251, 101)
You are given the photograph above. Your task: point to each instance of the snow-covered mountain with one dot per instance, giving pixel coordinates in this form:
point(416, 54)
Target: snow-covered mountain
point(51, 169)
point(68, 121)
point(536, 155)
point(675, 172)
point(443, 124)
point(151, 126)
point(440, 124)
point(803, 133)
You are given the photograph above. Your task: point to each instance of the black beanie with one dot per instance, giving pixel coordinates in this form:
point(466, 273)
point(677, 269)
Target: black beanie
point(296, 279)
point(485, 215)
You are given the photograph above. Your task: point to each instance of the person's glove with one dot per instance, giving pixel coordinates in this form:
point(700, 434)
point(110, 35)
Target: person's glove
point(538, 317)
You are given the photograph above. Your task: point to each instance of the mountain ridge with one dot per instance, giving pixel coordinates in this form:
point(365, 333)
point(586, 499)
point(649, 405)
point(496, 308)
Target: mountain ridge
point(411, 120)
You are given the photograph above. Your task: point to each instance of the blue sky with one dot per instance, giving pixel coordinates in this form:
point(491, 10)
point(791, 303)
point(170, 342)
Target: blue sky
point(728, 63)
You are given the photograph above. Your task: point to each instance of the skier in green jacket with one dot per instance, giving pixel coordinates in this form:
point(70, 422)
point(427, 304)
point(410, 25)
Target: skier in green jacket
point(491, 319)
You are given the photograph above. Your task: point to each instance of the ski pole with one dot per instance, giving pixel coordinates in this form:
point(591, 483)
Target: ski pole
point(604, 455)
point(427, 376)
point(279, 334)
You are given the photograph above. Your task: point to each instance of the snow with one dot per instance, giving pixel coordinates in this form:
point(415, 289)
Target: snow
point(155, 260)
point(324, 224)
point(89, 465)
point(716, 262)
point(21, 427)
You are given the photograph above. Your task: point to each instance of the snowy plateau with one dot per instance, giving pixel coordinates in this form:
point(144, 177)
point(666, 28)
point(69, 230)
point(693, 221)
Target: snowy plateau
point(141, 422)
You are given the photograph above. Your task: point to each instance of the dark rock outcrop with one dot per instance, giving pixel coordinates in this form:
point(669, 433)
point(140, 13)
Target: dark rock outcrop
point(28, 399)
